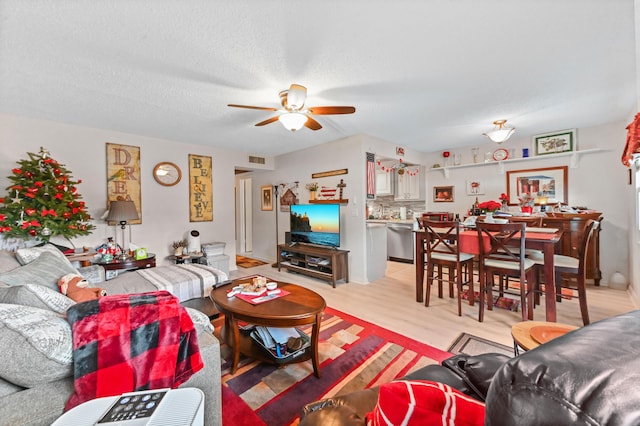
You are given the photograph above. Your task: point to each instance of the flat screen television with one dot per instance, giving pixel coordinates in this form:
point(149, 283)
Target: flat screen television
point(316, 224)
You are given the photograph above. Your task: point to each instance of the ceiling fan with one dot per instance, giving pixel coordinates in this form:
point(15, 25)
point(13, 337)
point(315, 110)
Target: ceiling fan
point(293, 115)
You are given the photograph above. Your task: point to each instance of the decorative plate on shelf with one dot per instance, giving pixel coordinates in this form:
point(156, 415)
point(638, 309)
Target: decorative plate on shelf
point(500, 154)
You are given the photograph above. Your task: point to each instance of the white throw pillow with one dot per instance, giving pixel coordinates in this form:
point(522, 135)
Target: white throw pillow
point(36, 345)
point(46, 270)
point(29, 254)
point(36, 296)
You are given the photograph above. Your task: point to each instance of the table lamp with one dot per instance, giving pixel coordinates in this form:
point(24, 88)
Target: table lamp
point(122, 212)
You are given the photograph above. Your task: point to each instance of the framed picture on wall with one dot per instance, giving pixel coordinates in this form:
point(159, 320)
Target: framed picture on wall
point(266, 197)
point(548, 185)
point(474, 187)
point(443, 194)
point(555, 142)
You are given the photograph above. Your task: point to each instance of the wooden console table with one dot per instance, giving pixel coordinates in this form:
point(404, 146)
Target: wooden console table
point(129, 263)
point(326, 263)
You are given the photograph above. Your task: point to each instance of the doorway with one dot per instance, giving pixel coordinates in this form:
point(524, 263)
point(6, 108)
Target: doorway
point(244, 230)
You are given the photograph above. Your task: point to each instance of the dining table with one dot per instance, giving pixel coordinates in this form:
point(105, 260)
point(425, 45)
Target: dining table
point(543, 239)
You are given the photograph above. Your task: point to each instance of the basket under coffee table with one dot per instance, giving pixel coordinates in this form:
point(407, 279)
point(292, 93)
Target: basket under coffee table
point(300, 307)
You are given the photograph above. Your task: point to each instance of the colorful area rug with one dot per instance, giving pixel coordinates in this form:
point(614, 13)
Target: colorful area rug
point(354, 355)
point(247, 262)
point(473, 345)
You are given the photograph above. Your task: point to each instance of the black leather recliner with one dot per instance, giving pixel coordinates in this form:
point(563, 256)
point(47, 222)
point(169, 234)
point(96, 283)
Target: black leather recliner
point(590, 376)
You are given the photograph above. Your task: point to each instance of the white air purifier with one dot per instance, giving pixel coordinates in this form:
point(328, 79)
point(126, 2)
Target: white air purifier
point(193, 242)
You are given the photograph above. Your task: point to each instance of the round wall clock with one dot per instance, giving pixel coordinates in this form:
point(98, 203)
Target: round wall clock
point(167, 174)
point(500, 154)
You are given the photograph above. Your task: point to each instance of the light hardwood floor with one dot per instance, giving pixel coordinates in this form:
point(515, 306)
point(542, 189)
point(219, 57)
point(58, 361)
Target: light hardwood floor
point(390, 302)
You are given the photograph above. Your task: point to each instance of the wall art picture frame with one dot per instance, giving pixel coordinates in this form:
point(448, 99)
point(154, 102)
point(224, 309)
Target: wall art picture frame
point(555, 142)
point(548, 184)
point(474, 187)
point(266, 197)
point(443, 194)
point(123, 176)
point(200, 188)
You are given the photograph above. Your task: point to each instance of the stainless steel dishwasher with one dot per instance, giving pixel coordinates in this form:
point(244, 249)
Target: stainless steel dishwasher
point(400, 242)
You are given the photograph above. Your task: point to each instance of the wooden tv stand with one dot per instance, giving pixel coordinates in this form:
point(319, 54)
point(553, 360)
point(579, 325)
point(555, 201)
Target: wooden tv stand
point(324, 263)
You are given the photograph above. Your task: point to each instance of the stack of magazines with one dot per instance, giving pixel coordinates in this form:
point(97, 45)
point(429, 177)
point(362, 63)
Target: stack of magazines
point(281, 344)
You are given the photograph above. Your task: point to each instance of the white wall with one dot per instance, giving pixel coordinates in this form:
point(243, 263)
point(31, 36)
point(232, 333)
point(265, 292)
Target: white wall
point(165, 210)
point(600, 182)
point(634, 236)
point(348, 153)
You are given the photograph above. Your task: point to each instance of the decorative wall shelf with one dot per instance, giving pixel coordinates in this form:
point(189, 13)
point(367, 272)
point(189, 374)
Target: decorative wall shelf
point(338, 201)
point(573, 163)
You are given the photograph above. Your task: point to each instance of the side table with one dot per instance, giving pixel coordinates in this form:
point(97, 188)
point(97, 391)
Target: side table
point(191, 258)
point(128, 264)
point(522, 338)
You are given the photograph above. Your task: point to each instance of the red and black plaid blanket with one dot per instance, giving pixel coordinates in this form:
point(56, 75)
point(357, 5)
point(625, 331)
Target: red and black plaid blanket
point(131, 342)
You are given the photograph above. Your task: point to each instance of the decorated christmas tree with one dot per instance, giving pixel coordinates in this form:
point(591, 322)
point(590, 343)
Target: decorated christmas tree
point(43, 201)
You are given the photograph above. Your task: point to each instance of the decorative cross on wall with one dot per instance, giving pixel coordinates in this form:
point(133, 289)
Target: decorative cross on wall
point(341, 185)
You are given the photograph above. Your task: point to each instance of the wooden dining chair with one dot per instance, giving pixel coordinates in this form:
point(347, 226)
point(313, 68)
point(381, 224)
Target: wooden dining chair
point(502, 253)
point(575, 269)
point(443, 251)
point(535, 221)
point(530, 221)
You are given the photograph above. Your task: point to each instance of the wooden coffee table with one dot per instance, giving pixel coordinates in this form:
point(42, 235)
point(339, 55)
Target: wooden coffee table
point(301, 307)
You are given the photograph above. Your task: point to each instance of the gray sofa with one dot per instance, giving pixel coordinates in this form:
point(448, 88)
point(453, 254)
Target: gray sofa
point(36, 372)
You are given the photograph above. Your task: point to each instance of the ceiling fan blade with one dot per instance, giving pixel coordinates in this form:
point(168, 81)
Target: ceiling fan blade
point(296, 96)
point(326, 110)
point(267, 121)
point(312, 124)
point(252, 107)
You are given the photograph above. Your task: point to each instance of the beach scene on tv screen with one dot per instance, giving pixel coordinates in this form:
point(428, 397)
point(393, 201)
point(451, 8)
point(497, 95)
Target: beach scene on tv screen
point(316, 224)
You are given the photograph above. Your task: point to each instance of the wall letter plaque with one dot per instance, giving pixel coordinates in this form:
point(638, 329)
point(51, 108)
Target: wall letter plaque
point(200, 189)
point(123, 176)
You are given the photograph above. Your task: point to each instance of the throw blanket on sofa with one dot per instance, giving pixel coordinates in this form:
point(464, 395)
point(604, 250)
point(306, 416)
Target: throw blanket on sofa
point(131, 342)
point(187, 281)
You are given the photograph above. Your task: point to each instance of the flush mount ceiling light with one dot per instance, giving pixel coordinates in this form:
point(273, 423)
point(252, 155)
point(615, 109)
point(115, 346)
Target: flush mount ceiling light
point(500, 133)
point(293, 120)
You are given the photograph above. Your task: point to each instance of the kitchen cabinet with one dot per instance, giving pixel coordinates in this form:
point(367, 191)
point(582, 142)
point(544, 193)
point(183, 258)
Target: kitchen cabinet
point(410, 187)
point(384, 181)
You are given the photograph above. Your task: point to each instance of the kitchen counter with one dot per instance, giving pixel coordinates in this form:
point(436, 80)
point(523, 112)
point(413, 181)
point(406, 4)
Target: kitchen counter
point(408, 221)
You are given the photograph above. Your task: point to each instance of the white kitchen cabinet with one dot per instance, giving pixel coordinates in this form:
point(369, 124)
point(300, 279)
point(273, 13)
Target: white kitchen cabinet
point(409, 187)
point(384, 181)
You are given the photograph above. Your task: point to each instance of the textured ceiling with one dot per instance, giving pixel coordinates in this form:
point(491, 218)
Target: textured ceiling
point(424, 74)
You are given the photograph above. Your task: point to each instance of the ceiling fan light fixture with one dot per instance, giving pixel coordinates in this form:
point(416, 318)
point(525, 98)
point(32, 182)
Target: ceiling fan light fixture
point(500, 133)
point(293, 120)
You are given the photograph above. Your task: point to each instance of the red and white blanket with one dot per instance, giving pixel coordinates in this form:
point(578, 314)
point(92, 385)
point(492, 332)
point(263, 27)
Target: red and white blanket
point(131, 342)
